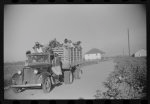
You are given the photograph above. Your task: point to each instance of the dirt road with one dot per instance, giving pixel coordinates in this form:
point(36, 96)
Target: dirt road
point(84, 88)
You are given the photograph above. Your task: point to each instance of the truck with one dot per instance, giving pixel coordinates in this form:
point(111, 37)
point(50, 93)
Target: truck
point(37, 73)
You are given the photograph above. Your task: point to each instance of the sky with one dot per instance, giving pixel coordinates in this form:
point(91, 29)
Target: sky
point(102, 26)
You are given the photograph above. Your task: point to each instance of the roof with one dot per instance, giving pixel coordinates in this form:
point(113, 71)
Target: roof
point(140, 50)
point(94, 50)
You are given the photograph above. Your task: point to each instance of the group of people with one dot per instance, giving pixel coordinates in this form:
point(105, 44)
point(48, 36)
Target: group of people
point(69, 43)
point(56, 63)
point(38, 48)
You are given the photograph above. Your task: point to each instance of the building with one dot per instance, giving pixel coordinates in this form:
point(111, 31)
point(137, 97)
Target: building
point(140, 53)
point(93, 54)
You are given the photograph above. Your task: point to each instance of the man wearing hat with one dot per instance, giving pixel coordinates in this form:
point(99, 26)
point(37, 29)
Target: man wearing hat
point(38, 47)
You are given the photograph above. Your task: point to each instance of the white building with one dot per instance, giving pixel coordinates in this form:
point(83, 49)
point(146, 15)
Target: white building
point(140, 53)
point(93, 54)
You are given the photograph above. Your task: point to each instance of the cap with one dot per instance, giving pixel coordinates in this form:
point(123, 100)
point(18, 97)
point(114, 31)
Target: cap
point(36, 43)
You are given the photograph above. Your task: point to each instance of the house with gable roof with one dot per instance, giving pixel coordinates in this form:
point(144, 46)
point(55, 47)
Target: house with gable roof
point(140, 53)
point(94, 54)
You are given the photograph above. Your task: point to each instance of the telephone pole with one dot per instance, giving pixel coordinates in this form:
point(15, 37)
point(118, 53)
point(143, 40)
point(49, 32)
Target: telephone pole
point(128, 42)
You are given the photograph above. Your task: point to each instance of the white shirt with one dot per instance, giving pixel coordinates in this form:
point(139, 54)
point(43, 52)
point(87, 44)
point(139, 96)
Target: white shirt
point(39, 50)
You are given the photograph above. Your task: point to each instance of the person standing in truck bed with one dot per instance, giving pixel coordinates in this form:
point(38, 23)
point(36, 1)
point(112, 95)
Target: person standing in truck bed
point(38, 47)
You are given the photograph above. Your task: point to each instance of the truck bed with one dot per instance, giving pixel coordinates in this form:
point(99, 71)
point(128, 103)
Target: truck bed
point(70, 56)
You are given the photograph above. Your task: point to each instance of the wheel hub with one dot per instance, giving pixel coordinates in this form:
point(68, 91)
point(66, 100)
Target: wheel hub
point(48, 84)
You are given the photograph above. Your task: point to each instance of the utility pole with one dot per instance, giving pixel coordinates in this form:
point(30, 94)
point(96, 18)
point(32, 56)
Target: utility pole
point(128, 42)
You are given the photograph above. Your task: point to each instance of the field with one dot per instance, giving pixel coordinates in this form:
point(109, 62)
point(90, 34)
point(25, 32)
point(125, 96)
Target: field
point(127, 81)
point(10, 69)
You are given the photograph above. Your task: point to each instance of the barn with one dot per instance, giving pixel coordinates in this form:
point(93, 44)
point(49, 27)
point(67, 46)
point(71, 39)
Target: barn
point(140, 53)
point(94, 54)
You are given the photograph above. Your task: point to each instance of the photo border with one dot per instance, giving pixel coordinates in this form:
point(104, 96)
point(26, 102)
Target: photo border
point(81, 101)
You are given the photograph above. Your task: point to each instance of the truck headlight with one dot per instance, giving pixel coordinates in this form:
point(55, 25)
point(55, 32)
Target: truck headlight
point(19, 72)
point(35, 71)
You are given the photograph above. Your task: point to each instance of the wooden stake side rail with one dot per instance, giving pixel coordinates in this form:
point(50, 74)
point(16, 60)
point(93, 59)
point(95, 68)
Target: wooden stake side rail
point(77, 63)
point(71, 55)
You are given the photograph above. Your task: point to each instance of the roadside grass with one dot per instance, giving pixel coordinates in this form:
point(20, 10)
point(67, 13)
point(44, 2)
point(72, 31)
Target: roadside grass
point(127, 81)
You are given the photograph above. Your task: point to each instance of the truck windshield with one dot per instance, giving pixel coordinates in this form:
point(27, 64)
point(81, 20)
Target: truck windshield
point(34, 59)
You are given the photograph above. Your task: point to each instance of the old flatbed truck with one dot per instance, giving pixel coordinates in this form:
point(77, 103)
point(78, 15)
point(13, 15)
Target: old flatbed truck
point(38, 73)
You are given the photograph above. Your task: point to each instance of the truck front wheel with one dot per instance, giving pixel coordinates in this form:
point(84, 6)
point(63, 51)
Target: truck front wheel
point(77, 73)
point(17, 90)
point(46, 84)
point(14, 81)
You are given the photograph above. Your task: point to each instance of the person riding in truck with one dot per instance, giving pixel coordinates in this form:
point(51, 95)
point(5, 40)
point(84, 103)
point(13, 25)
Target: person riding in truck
point(38, 47)
point(27, 53)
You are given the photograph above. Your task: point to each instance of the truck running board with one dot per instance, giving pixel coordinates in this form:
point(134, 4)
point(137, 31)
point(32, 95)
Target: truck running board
point(27, 85)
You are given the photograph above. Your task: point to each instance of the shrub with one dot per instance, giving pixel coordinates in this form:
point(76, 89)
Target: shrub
point(127, 81)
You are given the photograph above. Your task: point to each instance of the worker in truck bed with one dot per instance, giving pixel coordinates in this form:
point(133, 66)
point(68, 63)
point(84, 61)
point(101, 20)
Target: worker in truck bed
point(26, 61)
point(38, 48)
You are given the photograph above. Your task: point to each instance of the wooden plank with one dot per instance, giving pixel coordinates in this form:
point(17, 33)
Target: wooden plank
point(72, 55)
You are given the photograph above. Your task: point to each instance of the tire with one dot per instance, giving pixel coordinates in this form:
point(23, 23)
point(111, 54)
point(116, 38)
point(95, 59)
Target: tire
point(68, 77)
point(77, 73)
point(46, 83)
point(14, 80)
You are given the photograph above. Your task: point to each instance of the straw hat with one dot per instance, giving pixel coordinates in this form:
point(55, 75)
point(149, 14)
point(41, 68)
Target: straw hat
point(37, 43)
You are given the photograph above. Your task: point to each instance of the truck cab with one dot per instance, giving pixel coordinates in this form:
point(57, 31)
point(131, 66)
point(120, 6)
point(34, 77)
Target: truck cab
point(43, 69)
point(36, 73)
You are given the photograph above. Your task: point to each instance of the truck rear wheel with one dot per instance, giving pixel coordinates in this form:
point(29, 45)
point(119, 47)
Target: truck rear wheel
point(14, 81)
point(77, 73)
point(46, 83)
point(68, 77)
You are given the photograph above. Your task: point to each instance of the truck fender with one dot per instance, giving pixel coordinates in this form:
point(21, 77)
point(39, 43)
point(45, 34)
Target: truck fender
point(52, 80)
point(46, 73)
